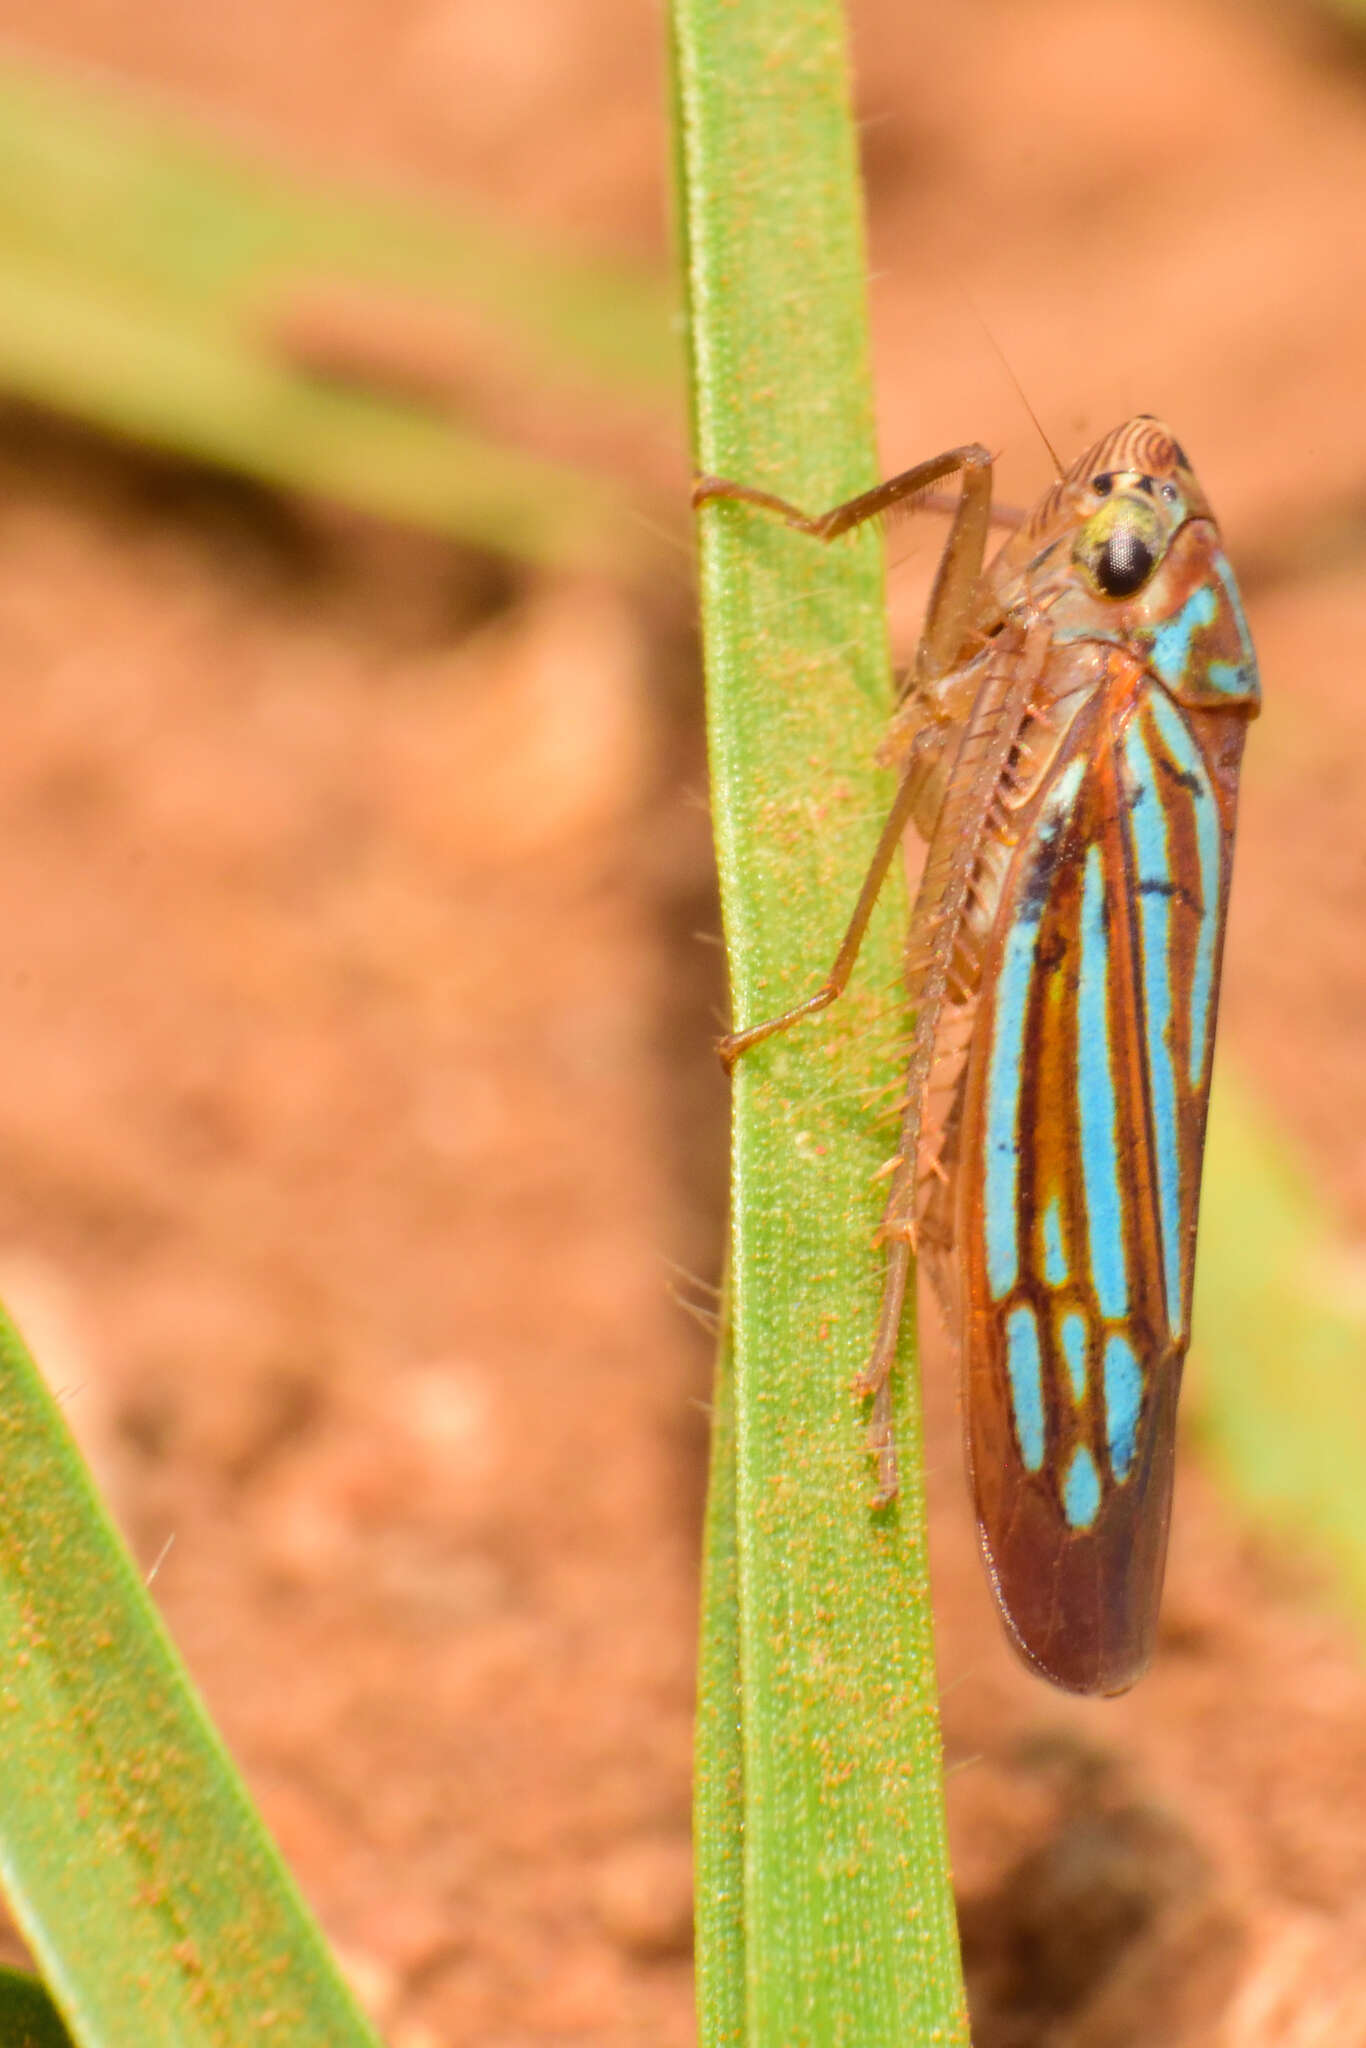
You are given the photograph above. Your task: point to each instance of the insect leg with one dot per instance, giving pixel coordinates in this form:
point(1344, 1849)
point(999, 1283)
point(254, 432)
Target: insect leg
point(946, 884)
point(735, 1043)
point(941, 903)
point(874, 504)
point(876, 1377)
point(950, 606)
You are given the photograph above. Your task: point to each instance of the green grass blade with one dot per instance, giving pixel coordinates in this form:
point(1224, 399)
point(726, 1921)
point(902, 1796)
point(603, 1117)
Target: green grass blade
point(154, 1904)
point(848, 1929)
point(719, 1806)
point(157, 283)
point(1279, 1390)
point(135, 374)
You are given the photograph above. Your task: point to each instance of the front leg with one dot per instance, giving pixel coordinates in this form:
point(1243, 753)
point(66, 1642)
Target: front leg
point(920, 744)
point(731, 1047)
point(941, 643)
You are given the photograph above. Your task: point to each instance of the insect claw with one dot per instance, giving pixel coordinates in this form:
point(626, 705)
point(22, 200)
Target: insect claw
point(881, 1441)
point(888, 1479)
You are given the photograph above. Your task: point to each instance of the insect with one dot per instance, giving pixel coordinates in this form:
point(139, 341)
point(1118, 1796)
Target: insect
point(1068, 745)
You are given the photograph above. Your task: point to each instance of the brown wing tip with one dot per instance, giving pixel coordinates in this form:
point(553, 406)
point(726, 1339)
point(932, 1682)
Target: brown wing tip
point(1090, 1670)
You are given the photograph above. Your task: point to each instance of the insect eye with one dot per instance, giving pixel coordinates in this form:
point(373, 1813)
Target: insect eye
point(1120, 545)
point(1102, 485)
point(1124, 563)
point(1170, 494)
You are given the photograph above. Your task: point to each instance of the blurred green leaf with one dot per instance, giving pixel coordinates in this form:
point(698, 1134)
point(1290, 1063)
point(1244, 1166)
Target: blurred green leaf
point(152, 1900)
point(817, 1631)
point(1353, 12)
point(1279, 1380)
point(163, 285)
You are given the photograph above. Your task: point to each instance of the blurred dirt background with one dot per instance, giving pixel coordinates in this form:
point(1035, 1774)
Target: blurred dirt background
point(358, 1110)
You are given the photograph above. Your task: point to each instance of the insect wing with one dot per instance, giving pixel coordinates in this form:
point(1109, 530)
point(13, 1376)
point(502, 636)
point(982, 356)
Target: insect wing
point(1080, 1171)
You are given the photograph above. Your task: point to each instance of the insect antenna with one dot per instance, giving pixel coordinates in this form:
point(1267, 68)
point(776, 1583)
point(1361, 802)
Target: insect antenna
point(1008, 367)
point(1020, 392)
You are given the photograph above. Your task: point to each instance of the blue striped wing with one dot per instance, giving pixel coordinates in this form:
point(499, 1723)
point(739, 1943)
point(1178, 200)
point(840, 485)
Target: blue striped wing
point(1079, 1170)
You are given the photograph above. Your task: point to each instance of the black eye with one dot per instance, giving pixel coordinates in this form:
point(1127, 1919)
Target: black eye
point(1124, 563)
point(1102, 485)
point(1169, 494)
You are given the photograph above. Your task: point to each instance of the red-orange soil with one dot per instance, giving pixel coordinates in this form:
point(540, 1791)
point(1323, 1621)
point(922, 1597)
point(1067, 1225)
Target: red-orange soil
point(358, 1102)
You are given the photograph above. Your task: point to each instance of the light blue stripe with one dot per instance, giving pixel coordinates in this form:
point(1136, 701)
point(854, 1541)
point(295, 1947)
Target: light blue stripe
point(1001, 1172)
point(1236, 679)
point(1073, 1335)
point(1054, 1257)
point(1026, 1384)
point(1004, 1075)
point(1177, 739)
point(1171, 641)
point(1123, 1403)
point(1096, 1100)
point(1148, 827)
point(1081, 1490)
